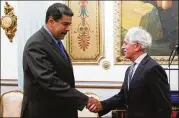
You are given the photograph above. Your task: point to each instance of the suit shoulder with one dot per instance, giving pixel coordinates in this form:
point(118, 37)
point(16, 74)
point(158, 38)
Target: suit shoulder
point(152, 63)
point(35, 39)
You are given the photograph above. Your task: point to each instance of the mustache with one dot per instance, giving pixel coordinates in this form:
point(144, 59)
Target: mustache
point(64, 33)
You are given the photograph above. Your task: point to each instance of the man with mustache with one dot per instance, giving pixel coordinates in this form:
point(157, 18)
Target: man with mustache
point(145, 91)
point(49, 85)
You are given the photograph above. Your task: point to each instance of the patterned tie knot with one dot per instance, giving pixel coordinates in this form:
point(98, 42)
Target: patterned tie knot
point(133, 65)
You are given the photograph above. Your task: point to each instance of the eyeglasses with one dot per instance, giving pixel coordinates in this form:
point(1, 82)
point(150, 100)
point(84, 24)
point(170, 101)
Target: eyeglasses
point(127, 43)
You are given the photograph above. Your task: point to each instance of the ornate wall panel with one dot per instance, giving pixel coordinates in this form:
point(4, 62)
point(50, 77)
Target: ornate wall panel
point(85, 42)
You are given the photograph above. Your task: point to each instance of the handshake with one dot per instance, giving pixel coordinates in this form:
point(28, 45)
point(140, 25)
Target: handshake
point(94, 105)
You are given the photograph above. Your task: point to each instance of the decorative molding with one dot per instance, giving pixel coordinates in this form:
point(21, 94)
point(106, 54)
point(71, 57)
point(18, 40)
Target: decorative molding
point(119, 82)
point(79, 84)
point(106, 65)
point(119, 58)
point(9, 79)
point(99, 87)
point(9, 22)
point(117, 31)
point(9, 82)
point(84, 41)
point(99, 84)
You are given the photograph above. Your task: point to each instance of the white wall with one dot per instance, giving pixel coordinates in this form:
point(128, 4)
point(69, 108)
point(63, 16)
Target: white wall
point(28, 23)
point(8, 50)
point(31, 20)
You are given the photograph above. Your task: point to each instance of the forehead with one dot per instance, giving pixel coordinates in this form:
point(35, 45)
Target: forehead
point(126, 39)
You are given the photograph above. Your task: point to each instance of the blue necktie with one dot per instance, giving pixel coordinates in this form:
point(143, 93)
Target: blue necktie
point(62, 49)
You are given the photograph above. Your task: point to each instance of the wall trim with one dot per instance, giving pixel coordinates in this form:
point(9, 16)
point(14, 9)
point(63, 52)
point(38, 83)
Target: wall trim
point(101, 81)
point(9, 82)
point(79, 84)
point(9, 79)
point(99, 87)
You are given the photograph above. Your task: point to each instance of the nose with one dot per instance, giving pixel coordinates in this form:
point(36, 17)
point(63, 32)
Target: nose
point(67, 28)
point(123, 46)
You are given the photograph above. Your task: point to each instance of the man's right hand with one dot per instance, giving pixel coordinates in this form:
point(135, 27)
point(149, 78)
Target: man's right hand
point(94, 105)
point(92, 101)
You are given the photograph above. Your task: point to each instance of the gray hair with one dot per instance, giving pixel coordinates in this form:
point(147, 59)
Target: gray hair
point(139, 35)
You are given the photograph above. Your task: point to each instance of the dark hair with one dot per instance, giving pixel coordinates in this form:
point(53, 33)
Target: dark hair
point(57, 10)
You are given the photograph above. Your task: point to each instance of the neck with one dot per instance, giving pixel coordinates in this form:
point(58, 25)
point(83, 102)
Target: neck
point(136, 56)
point(48, 27)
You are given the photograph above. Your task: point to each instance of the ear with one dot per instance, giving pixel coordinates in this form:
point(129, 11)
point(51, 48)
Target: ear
point(51, 20)
point(137, 47)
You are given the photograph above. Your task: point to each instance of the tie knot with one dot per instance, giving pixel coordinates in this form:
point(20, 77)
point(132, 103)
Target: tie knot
point(59, 42)
point(133, 65)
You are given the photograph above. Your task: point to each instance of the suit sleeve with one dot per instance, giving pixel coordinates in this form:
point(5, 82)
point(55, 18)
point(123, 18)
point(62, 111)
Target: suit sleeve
point(160, 91)
point(114, 102)
point(44, 74)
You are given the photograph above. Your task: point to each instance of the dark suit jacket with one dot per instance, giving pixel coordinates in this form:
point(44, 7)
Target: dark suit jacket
point(49, 86)
point(148, 95)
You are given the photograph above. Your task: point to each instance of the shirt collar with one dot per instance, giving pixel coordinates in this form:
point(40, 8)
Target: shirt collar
point(140, 58)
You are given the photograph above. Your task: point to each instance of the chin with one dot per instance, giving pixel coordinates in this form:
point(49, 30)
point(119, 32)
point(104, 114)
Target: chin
point(126, 56)
point(62, 37)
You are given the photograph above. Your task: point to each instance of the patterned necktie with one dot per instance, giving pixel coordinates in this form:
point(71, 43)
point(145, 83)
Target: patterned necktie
point(62, 49)
point(131, 73)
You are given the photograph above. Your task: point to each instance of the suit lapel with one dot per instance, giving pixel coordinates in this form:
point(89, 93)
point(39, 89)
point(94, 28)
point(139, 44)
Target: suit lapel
point(137, 73)
point(139, 70)
point(55, 46)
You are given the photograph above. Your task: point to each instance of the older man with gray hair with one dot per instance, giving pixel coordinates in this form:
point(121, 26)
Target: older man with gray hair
point(145, 92)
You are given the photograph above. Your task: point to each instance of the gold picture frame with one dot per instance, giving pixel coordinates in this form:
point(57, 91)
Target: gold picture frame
point(84, 42)
point(118, 56)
